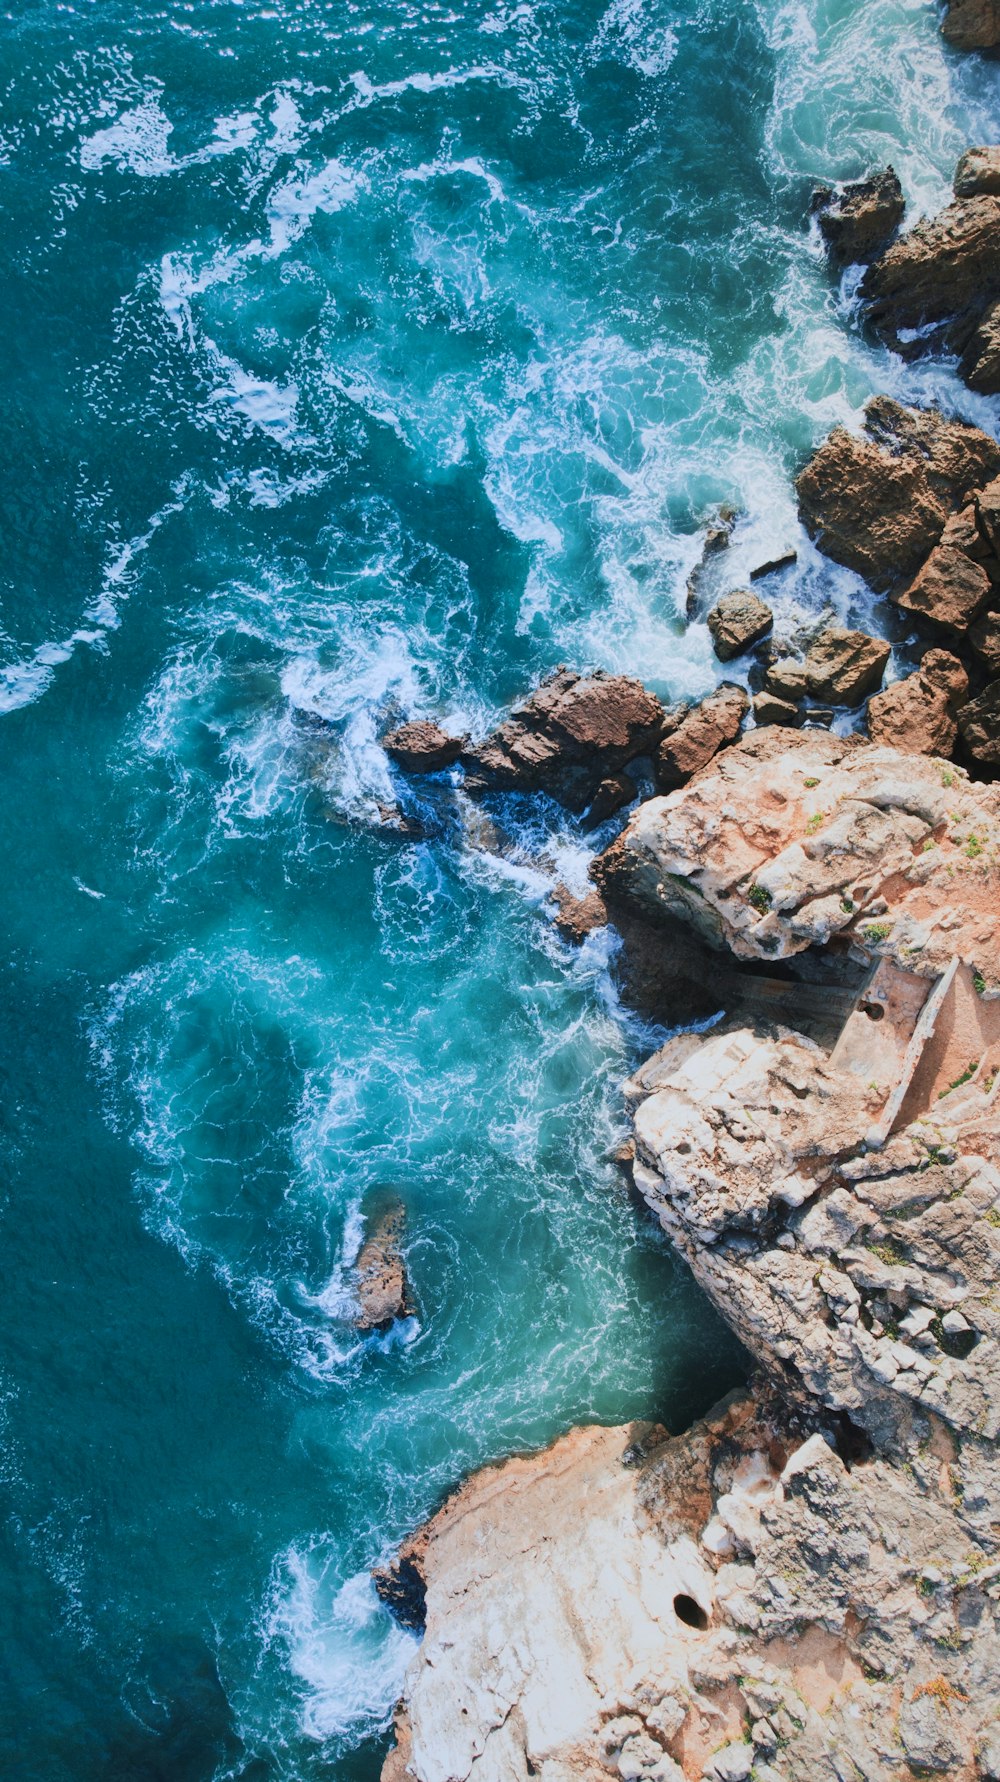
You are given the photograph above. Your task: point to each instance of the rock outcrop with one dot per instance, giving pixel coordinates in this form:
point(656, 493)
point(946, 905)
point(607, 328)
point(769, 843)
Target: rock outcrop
point(972, 24)
point(794, 837)
point(860, 219)
point(422, 747)
point(879, 503)
point(381, 1284)
point(978, 171)
point(807, 1584)
point(929, 287)
point(694, 734)
point(574, 732)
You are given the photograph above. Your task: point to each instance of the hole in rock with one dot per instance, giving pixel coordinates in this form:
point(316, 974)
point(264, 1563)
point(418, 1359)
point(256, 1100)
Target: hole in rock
point(691, 1613)
point(873, 1010)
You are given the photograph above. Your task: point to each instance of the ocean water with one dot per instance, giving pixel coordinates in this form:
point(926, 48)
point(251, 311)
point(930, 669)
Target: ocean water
point(360, 360)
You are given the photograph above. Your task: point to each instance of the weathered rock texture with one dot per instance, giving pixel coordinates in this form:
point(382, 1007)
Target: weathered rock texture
point(919, 714)
point(879, 503)
point(972, 24)
point(574, 732)
point(792, 838)
point(694, 734)
point(380, 1272)
point(806, 1586)
point(737, 622)
point(422, 747)
point(858, 221)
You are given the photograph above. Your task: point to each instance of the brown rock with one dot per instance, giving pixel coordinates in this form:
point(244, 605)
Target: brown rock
point(617, 790)
point(769, 709)
point(422, 747)
point(874, 513)
point(979, 722)
point(700, 732)
point(963, 533)
point(574, 732)
point(878, 504)
point(918, 714)
point(980, 363)
point(958, 457)
point(576, 917)
point(944, 270)
point(845, 665)
point(858, 221)
point(984, 636)
point(949, 590)
point(737, 622)
point(787, 678)
point(988, 513)
point(972, 24)
point(382, 1287)
point(978, 171)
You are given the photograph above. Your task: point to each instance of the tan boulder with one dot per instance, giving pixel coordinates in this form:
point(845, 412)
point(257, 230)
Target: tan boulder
point(844, 666)
point(571, 734)
point(918, 714)
point(380, 1272)
point(737, 622)
point(857, 221)
point(422, 746)
point(978, 171)
point(950, 590)
point(945, 268)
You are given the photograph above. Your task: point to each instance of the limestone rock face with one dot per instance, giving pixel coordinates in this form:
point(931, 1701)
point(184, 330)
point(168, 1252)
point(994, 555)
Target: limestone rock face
point(574, 732)
point(879, 503)
point(972, 24)
point(694, 734)
point(918, 714)
point(940, 273)
point(422, 747)
point(857, 222)
point(737, 622)
point(792, 837)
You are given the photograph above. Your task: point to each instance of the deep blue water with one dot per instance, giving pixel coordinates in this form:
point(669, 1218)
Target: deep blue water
point(358, 360)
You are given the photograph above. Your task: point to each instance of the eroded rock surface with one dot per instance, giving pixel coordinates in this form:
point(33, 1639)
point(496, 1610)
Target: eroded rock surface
point(858, 221)
point(380, 1272)
point(793, 837)
point(574, 732)
point(919, 714)
point(807, 1584)
point(422, 746)
point(737, 622)
point(879, 502)
point(694, 734)
point(972, 24)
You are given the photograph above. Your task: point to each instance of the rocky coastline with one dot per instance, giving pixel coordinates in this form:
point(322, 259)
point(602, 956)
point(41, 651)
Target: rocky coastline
point(805, 1584)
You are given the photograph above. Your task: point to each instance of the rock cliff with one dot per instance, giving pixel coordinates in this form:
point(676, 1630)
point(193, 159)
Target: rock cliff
point(806, 1584)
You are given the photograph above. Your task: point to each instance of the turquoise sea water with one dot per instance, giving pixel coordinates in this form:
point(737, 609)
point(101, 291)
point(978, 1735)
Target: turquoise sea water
point(359, 360)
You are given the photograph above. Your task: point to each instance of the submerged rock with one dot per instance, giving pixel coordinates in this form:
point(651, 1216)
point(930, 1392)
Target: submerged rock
point(737, 622)
point(574, 732)
point(380, 1272)
point(858, 221)
point(919, 714)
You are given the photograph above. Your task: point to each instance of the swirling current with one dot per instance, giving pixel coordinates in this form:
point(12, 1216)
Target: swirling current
point(360, 360)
